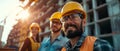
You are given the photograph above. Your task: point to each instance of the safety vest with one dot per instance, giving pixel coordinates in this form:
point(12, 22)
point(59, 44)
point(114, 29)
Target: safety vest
point(87, 45)
point(34, 45)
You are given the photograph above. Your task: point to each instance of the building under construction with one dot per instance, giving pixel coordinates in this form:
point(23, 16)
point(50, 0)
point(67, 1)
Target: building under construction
point(103, 17)
point(1, 31)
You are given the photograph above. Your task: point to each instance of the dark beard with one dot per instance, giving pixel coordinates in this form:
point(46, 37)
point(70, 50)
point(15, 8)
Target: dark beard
point(57, 30)
point(72, 34)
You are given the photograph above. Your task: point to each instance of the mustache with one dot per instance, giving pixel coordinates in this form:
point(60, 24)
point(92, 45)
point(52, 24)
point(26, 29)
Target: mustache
point(54, 26)
point(70, 25)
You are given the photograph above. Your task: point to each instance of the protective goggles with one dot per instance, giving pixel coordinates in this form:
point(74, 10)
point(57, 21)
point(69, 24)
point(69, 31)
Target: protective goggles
point(72, 17)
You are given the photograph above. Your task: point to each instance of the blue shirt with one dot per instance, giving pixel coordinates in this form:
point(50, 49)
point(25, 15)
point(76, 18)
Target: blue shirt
point(56, 45)
point(99, 45)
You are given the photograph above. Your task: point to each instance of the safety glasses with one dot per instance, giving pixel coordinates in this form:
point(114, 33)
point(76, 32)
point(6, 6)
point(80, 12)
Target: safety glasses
point(71, 17)
point(56, 22)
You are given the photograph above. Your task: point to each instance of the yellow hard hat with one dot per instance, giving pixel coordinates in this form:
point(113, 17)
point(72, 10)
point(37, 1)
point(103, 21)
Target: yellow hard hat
point(35, 25)
point(55, 15)
point(73, 6)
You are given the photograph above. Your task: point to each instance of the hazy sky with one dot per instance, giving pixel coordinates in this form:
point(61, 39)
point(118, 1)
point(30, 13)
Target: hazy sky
point(7, 8)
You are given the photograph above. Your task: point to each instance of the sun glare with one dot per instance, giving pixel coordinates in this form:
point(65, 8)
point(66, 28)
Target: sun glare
point(11, 13)
point(23, 14)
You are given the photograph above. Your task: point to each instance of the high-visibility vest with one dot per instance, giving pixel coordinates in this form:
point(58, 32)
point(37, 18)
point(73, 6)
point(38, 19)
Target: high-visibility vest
point(87, 45)
point(34, 45)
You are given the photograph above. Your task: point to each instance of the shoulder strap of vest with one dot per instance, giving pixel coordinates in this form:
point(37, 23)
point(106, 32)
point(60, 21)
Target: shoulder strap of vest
point(31, 40)
point(88, 43)
point(63, 49)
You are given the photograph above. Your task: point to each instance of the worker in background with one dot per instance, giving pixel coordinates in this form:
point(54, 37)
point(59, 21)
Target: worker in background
point(74, 21)
point(32, 43)
point(56, 40)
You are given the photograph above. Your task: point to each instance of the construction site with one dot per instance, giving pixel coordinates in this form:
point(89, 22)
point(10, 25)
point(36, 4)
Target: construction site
point(103, 20)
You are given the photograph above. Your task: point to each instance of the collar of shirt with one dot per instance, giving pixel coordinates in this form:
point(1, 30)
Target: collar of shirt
point(47, 40)
point(58, 38)
point(55, 45)
point(78, 44)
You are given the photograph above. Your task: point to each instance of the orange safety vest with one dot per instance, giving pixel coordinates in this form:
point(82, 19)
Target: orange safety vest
point(34, 45)
point(87, 45)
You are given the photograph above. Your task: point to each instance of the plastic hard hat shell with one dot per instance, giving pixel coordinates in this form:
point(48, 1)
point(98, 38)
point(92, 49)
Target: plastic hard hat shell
point(35, 25)
point(55, 15)
point(71, 7)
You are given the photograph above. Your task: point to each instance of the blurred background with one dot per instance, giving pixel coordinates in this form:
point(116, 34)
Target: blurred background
point(103, 19)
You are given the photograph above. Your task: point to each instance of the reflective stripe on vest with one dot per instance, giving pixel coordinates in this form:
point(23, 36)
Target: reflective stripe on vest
point(87, 45)
point(34, 45)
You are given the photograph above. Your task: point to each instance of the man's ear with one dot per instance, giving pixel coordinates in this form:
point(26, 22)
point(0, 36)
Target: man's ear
point(84, 22)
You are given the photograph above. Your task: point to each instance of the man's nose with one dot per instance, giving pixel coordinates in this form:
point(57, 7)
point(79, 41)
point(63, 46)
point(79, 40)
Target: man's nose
point(54, 24)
